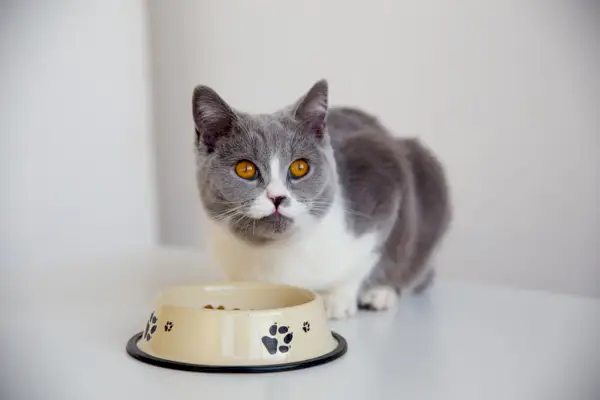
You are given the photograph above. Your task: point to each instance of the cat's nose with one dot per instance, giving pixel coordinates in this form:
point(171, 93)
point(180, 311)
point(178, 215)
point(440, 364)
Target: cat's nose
point(277, 200)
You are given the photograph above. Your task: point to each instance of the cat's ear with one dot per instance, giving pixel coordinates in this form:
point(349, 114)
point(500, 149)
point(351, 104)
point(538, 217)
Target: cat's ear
point(212, 116)
point(311, 109)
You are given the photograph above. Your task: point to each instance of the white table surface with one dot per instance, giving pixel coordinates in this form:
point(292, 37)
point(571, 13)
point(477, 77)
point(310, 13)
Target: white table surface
point(64, 331)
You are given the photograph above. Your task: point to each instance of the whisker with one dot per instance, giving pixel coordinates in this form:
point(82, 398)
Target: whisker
point(228, 213)
point(227, 202)
point(225, 214)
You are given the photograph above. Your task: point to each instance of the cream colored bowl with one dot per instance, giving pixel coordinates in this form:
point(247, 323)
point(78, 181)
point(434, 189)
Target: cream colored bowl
point(237, 327)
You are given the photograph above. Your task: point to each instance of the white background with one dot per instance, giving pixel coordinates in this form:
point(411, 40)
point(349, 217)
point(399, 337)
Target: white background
point(506, 92)
point(76, 155)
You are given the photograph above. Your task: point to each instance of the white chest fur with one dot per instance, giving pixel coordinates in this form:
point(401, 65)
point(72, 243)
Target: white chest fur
point(318, 258)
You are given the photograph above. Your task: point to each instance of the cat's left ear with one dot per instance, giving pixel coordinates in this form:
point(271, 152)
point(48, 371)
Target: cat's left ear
point(212, 116)
point(311, 109)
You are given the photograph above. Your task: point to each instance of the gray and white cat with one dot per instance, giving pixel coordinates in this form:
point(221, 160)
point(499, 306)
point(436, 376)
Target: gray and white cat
point(318, 197)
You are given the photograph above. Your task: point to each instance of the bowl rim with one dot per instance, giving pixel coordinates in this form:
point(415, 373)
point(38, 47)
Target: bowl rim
point(314, 296)
point(134, 351)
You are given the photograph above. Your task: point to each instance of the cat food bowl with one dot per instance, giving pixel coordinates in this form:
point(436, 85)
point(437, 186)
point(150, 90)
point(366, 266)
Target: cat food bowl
point(237, 327)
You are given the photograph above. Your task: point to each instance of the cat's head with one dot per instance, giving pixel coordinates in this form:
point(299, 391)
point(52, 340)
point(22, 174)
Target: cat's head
point(264, 176)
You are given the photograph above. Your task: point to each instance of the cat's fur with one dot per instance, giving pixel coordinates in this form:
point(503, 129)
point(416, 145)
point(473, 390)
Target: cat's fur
point(360, 227)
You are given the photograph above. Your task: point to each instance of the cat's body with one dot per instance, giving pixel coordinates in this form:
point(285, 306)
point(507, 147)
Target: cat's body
point(358, 228)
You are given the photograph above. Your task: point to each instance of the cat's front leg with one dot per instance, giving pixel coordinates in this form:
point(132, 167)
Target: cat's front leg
point(341, 300)
point(378, 298)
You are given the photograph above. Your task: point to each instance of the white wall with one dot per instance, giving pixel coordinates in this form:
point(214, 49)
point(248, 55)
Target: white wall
point(76, 153)
point(507, 92)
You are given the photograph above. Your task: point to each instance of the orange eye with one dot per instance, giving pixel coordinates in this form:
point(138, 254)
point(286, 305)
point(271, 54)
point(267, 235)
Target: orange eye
point(299, 168)
point(247, 170)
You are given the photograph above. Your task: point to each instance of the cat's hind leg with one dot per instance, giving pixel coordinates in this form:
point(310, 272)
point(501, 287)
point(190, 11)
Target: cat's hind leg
point(425, 282)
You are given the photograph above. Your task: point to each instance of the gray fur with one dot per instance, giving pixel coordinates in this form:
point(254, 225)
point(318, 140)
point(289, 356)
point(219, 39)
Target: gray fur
point(392, 186)
point(225, 136)
point(387, 178)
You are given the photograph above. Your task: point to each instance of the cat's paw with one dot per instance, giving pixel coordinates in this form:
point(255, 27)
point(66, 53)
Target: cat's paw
point(378, 298)
point(340, 304)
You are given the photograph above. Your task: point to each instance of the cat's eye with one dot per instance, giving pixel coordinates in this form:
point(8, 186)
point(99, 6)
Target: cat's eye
point(245, 169)
point(299, 168)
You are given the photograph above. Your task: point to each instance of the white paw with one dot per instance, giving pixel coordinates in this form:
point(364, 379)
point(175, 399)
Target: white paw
point(379, 298)
point(340, 304)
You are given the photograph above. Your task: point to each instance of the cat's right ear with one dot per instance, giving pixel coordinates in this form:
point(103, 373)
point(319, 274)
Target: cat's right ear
point(212, 116)
point(311, 109)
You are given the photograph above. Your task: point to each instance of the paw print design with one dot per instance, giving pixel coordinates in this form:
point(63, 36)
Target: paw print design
point(168, 326)
point(274, 342)
point(150, 327)
point(306, 326)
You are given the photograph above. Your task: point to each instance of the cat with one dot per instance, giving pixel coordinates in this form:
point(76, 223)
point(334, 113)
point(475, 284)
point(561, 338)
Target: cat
point(323, 198)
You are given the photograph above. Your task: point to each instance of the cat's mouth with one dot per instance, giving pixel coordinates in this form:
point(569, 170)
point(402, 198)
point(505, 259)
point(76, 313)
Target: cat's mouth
point(276, 223)
point(276, 217)
point(278, 213)
point(263, 230)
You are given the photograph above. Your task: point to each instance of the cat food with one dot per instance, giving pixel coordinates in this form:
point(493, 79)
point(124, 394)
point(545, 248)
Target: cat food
point(220, 307)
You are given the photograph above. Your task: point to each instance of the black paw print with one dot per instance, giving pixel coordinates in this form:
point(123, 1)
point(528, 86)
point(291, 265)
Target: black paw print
point(272, 343)
point(150, 327)
point(306, 326)
point(168, 326)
